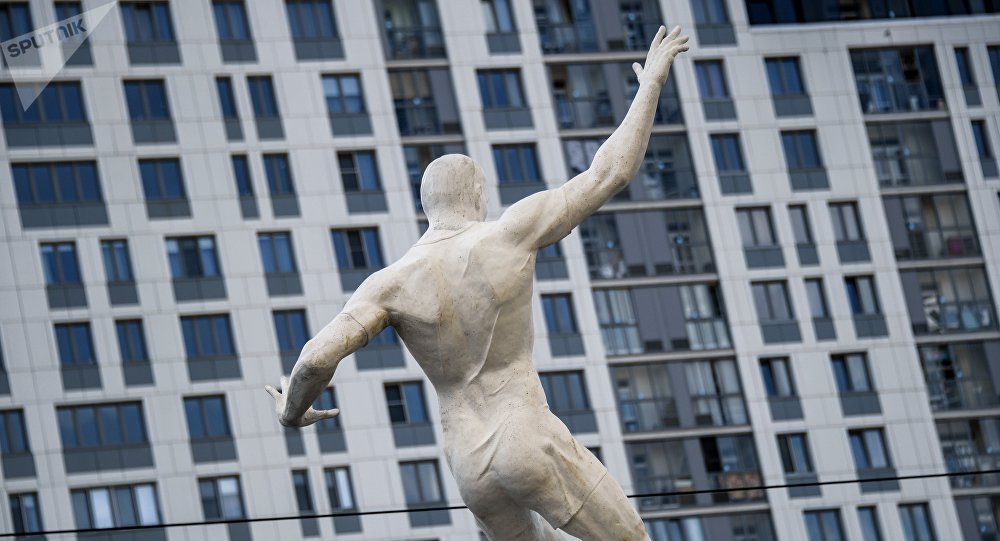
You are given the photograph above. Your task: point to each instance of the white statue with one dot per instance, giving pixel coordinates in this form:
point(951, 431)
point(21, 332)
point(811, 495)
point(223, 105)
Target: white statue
point(460, 299)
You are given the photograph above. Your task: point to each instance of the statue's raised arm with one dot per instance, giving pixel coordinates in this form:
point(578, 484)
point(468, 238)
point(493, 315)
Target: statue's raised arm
point(545, 217)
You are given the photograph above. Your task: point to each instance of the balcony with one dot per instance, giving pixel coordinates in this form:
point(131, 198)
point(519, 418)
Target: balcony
point(897, 80)
point(414, 42)
point(648, 414)
point(955, 394)
point(671, 486)
point(731, 480)
point(583, 112)
point(559, 38)
point(971, 463)
point(920, 153)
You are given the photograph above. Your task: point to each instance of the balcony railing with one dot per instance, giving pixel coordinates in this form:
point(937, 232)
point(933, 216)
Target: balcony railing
point(664, 484)
point(895, 167)
point(940, 243)
point(972, 463)
point(962, 394)
point(707, 333)
point(736, 480)
point(648, 414)
point(638, 33)
point(621, 339)
point(583, 112)
point(952, 317)
point(610, 264)
point(417, 117)
point(559, 38)
point(415, 42)
point(884, 97)
point(719, 410)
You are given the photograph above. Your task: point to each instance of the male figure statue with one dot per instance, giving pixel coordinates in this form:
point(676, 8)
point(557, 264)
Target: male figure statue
point(460, 299)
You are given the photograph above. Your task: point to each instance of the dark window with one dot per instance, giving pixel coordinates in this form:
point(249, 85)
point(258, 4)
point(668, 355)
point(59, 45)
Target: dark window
point(15, 20)
point(147, 100)
point(56, 183)
point(192, 257)
point(801, 150)
point(846, 222)
point(421, 482)
point(794, 451)
point(131, 341)
point(817, 298)
point(711, 12)
point(327, 400)
point(499, 16)
point(565, 392)
point(262, 97)
point(303, 494)
point(221, 498)
point(58, 102)
point(777, 376)
point(357, 248)
point(116, 506)
point(916, 521)
point(59, 262)
point(801, 230)
point(868, 449)
point(227, 99)
point(851, 373)
point(870, 529)
point(516, 164)
point(358, 171)
point(965, 73)
point(161, 179)
point(861, 295)
point(339, 488)
point(897, 79)
point(711, 80)
point(207, 417)
point(982, 139)
point(290, 326)
point(117, 263)
point(207, 336)
point(406, 403)
point(784, 76)
point(231, 20)
point(772, 302)
point(279, 174)
point(24, 509)
point(645, 397)
point(76, 346)
point(727, 153)
point(276, 252)
point(147, 21)
point(311, 18)
point(716, 397)
point(824, 525)
point(994, 54)
point(241, 172)
point(101, 425)
point(343, 94)
point(500, 89)
point(756, 228)
point(558, 309)
point(424, 101)
point(13, 434)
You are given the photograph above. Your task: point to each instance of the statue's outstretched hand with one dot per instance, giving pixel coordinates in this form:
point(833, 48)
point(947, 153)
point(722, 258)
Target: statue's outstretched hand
point(661, 55)
point(309, 417)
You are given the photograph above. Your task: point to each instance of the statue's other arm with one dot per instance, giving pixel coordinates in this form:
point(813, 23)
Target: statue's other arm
point(361, 319)
point(545, 217)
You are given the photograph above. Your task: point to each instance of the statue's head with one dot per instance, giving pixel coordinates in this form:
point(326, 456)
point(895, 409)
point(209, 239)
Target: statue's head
point(454, 188)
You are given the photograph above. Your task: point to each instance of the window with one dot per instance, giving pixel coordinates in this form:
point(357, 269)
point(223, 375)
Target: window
point(965, 73)
point(824, 525)
point(117, 263)
point(131, 341)
point(801, 230)
point(358, 171)
point(227, 100)
point(916, 520)
point(192, 257)
point(327, 400)
point(58, 102)
point(147, 21)
point(565, 392)
point(730, 460)
point(846, 222)
point(276, 252)
point(265, 104)
point(710, 12)
point(727, 153)
point(56, 183)
point(868, 518)
point(716, 397)
point(311, 19)
point(794, 451)
point(861, 295)
point(516, 164)
point(60, 263)
point(711, 80)
point(231, 20)
point(13, 434)
point(241, 172)
point(784, 77)
point(421, 483)
point(499, 16)
point(15, 20)
point(424, 101)
point(645, 397)
point(756, 228)
point(116, 507)
point(76, 347)
point(357, 248)
point(303, 494)
point(817, 298)
point(161, 179)
point(24, 509)
point(101, 425)
point(982, 140)
point(868, 449)
point(406, 403)
point(558, 311)
point(221, 498)
point(147, 100)
point(207, 417)
point(801, 150)
point(851, 373)
point(339, 488)
point(500, 89)
point(343, 94)
point(207, 336)
point(777, 376)
point(290, 326)
point(897, 79)
point(771, 300)
point(279, 175)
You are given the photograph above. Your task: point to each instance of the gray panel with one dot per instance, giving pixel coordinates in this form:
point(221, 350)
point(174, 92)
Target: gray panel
point(80, 377)
point(853, 252)
point(972, 98)
point(218, 368)
point(239, 531)
point(248, 207)
point(120, 293)
point(785, 408)
point(429, 518)
point(288, 361)
point(792, 106)
point(4, 383)
point(824, 328)
point(350, 279)
point(989, 166)
point(870, 326)
point(878, 486)
point(579, 422)
point(285, 206)
point(715, 34)
point(735, 183)
point(764, 257)
point(499, 119)
point(66, 296)
point(379, 357)
point(137, 374)
point(294, 442)
point(808, 179)
point(108, 458)
point(153, 131)
point(361, 202)
point(807, 254)
point(213, 450)
point(270, 128)
point(350, 124)
point(968, 519)
point(310, 527)
point(175, 208)
point(553, 269)
point(512, 193)
point(46, 135)
point(351, 524)
point(318, 49)
point(503, 43)
point(283, 284)
point(722, 109)
point(860, 403)
point(235, 52)
point(234, 129)
point(65, 215)
point(18, 465)
point(199, 289)
point(80, 57)
point(152, 534)
point(564, 345)
point(331, 441)
point(409, 435)
point(780, 332)
point(154, 53)
point(802, 492)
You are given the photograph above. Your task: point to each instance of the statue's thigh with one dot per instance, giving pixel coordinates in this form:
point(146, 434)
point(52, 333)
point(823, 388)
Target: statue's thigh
point(516, 524)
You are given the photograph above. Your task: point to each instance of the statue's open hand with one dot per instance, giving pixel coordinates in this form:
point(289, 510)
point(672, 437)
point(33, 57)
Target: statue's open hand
point(661, 55)
point(309, 417)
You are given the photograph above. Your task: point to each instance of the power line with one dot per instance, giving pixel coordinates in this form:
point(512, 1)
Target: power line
point(456, 507)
